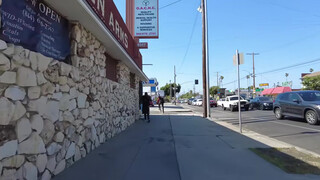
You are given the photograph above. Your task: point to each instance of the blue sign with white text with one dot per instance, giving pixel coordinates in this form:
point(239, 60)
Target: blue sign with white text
point(153, 89)
point(35, 26)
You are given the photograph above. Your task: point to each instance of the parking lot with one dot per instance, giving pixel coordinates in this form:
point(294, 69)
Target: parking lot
point(294, 131)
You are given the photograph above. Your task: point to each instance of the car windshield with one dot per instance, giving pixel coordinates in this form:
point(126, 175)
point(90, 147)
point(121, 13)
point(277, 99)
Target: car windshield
point(265, 99)
point(235, 98)
point(310, 96)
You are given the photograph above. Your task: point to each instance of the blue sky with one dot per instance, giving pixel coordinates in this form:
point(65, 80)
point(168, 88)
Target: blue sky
point(284, 32)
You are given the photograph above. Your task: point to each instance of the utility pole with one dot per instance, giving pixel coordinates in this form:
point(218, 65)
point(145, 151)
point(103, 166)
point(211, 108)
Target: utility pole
point(194, 90)
point(205, 60)
point(253, 70)
point(175, 86)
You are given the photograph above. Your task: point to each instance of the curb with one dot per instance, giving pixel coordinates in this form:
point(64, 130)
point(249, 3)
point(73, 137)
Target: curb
point(258, 137)
point(263, 138)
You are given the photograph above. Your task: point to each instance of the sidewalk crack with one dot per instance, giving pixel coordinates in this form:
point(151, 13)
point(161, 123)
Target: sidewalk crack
point(174, 145)
point(225, 142)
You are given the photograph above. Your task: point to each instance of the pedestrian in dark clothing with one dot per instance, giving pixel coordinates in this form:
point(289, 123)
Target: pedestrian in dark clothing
point(161, 103)
point(145, 101)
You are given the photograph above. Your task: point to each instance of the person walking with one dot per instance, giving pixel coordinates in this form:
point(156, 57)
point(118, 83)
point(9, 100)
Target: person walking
point(161, 103)
point(145, 101)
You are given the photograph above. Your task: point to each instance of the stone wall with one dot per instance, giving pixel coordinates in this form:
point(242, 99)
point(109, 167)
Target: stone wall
point(52, 114)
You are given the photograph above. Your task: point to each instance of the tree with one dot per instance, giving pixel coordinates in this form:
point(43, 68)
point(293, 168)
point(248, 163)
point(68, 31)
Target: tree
point(214, 90)
point(311, 70)
point(287, 74)
point(311, 83)
point(187, 95)
point(221, 78)
point(166, 89)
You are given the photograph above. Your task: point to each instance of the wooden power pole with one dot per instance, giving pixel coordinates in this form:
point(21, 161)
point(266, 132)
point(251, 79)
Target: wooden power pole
point(253, 71)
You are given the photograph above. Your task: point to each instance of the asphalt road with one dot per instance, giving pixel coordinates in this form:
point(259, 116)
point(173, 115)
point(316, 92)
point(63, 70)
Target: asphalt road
point(291, 130)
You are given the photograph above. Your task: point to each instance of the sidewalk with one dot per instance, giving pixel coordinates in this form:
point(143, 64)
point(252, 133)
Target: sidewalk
point(174, 147)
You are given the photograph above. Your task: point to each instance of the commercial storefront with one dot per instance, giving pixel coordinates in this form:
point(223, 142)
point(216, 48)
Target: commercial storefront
point(69, 81)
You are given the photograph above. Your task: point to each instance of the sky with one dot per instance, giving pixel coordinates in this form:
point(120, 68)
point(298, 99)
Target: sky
point(284, 33)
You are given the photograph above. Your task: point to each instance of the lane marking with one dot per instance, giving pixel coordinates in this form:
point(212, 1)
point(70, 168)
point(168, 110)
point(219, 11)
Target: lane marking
point(296, 126)
point(266, 116)
point(226, 118)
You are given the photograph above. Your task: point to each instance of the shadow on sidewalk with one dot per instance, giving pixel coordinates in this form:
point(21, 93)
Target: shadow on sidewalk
point(174, 147)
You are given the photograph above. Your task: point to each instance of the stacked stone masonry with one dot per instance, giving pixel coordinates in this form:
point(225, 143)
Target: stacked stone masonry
point(52, 114)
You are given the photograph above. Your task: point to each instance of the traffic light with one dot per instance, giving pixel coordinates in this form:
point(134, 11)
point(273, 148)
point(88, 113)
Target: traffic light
point(196, 81)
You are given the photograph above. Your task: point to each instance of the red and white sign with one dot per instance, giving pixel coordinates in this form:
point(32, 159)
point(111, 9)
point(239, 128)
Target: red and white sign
point(146, 19)
point(143, 45)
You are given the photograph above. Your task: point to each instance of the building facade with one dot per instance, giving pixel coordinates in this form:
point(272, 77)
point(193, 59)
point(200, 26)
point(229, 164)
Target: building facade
point(54, 112)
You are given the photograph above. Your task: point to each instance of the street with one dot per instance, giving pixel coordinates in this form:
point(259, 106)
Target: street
point(290, 130)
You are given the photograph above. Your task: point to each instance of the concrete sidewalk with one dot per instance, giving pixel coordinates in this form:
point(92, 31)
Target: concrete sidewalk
point(175, 146)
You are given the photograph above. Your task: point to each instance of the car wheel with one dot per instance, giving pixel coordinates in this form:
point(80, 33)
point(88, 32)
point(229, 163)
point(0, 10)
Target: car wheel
point(246, 109)
point(223, 107)
point(278, 113)
point(261, 107)
point(251, 107)
point(311, 117)
point(231, 108)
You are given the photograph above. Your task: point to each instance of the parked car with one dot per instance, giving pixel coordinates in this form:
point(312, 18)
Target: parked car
point(220, 101)
point(261, 103)
point(190, 101)
point(302, 104)
point(194, 102)
point(213, 103)
point(231, 102)
point(198, 102)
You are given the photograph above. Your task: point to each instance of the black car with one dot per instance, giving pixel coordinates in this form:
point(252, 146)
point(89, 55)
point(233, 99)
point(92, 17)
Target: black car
point(302, 104)
point(261, 103)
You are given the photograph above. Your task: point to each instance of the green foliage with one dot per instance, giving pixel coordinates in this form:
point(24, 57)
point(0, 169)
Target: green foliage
point(187, 95)
point(214, 90)
point(167, 99)
point(311, 83)
point(166, 89)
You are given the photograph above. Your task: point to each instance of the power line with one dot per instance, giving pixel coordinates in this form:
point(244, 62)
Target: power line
point(295, 65)
point(190, 39)
point(278, 69)
point(170, 4)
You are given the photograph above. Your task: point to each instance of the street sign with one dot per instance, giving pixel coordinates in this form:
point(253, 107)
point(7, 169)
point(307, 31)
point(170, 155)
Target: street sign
point(142, 45)
point(241, 59)
point(287, 84)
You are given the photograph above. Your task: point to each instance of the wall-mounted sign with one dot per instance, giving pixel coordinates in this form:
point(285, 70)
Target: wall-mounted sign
point(143, 45)
point(109, 15)
point(152, 83)
point(264, 84)
point(35, 26)
point(146, 22)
